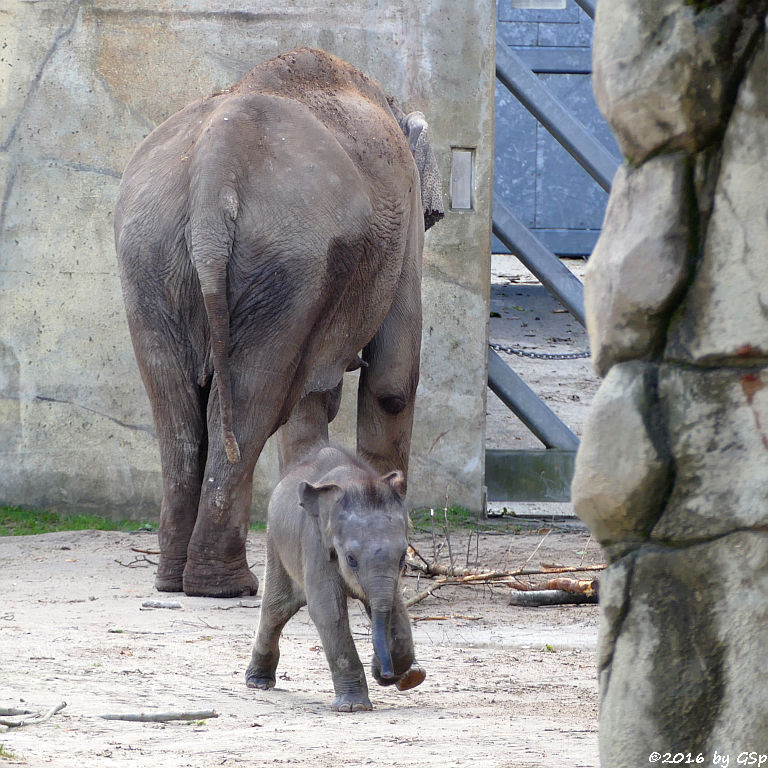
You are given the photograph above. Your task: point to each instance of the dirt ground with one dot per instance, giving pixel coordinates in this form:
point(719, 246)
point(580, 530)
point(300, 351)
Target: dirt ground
point(506, 687)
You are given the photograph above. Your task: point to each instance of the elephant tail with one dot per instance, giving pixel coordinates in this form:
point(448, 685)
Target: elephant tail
point(210, 236)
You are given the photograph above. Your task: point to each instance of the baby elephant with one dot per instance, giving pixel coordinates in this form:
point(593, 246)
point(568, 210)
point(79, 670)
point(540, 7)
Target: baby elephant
point(335, 529)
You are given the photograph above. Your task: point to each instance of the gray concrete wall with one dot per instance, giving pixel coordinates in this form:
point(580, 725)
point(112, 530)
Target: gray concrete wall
point(81, 84)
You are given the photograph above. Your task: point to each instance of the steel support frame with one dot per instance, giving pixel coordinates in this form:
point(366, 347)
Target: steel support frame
point(553, 274)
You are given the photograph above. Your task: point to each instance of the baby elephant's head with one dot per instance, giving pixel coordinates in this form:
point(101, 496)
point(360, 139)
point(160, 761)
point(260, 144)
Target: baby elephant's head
point(364, 525)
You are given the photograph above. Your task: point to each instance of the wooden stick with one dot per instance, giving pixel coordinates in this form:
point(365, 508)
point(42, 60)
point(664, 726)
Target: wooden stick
point(35, 718)
point(160, 717)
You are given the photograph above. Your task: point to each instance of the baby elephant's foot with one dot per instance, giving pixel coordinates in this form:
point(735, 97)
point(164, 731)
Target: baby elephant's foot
point(256, 679)
point(352, 702)
point(413, 677)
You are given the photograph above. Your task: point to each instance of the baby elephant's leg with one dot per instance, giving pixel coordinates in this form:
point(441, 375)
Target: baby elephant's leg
point(328, 611)
point(280, 601)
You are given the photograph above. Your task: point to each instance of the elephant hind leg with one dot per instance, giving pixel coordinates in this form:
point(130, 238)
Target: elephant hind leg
point(170, 374)
point(183, 463)
point(267, 380)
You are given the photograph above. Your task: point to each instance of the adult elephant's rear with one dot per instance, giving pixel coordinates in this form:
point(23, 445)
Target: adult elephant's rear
point(266, 235)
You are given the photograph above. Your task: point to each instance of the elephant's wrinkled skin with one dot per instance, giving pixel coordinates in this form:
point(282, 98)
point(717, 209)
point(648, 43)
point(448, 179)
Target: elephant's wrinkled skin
point(336, 530)
point(265, 235)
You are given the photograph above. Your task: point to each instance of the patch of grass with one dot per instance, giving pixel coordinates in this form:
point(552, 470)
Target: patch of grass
point(458, 517)
point(17, 521)
point(258, 525)
point(6, 754)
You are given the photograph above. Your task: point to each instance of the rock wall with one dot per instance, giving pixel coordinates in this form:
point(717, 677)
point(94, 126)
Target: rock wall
point(81, 84)
point(672, 474)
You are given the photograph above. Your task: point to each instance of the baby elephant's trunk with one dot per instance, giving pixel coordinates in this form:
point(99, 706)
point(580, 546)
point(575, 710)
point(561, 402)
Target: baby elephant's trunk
point(380, 619)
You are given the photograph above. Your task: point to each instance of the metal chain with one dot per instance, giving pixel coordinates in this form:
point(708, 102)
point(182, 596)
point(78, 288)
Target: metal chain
point(538, 355)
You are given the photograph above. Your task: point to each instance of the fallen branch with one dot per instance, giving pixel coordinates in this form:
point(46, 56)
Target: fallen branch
point(438, 569)
point(23, 718)
point(503, 577)
point(537, 598)
point(447, 618)
point(160, 717)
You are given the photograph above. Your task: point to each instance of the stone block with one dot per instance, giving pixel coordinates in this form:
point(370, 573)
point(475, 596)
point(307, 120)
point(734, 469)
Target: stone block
point(717, 425)
point(641, 262)
point(687, 662)
point(621, 473)
point(724, 318)
point(664, 70)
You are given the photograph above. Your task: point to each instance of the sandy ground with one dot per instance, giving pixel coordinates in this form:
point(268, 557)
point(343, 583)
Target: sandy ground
point(506, 687)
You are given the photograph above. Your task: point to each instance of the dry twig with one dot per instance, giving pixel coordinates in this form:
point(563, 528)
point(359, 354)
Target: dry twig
point(31, 718)
point(137, 562)
point(160, 717)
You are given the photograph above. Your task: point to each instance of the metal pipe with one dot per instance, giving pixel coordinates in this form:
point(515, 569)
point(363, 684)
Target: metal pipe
point(521, 399)
point(551, 113)
point(588, 6)
point(552, 273)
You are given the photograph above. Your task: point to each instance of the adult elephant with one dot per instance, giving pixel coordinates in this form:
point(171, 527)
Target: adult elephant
point(265, 235)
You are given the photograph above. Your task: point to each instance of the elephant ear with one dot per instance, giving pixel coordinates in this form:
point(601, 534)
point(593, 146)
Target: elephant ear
point(396, 481)
point(316, 498)
point(416, 129)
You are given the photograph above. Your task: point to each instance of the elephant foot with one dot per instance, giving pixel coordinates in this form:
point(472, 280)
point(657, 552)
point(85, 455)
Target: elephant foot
point(254, 679)
point(413, 677)
point(215, 579)
point(352, 702)
point(170, 574)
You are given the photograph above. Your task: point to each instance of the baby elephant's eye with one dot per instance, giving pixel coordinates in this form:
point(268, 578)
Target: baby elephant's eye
point(351, 561)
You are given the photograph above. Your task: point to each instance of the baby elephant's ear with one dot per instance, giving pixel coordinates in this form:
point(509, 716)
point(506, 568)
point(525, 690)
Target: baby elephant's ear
point(313, 497)
point(396, 481)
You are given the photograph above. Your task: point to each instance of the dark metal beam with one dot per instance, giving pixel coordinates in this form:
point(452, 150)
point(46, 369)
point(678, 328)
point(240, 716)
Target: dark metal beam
point(534, 413)
point(588, 6)
point(551, 272)
point(551, 113)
